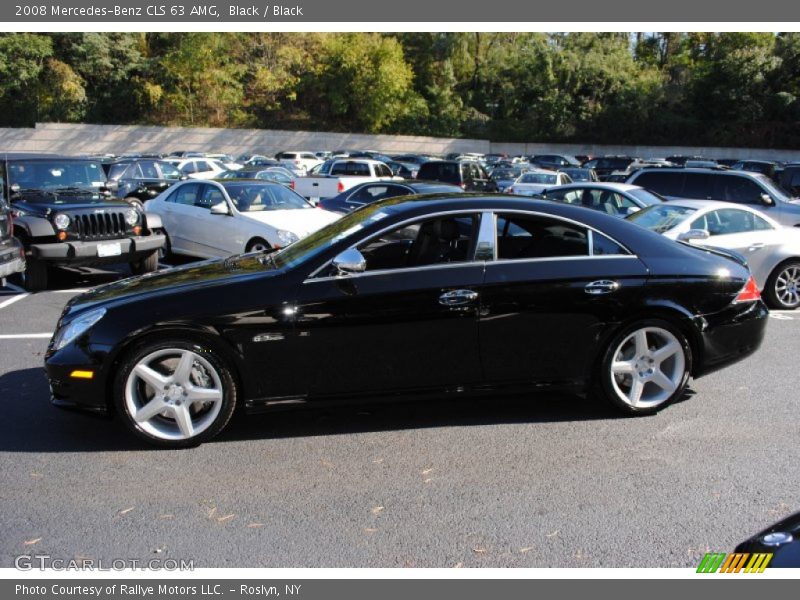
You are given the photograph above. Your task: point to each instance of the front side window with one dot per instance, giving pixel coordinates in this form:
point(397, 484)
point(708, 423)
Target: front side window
point(740, 190)
point(728, 221)
point(447, 239)
point(248, 197)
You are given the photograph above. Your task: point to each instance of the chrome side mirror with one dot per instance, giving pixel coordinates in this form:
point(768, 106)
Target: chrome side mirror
point(220, 209)
point(350, 261)
point(694, 234)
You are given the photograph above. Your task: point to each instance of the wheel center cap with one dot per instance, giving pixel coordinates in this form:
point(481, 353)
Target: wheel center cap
point(174, 392)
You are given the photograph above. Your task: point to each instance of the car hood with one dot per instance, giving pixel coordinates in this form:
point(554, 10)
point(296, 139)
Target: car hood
point(45, 203)
point(299, 221)
point(197, 275)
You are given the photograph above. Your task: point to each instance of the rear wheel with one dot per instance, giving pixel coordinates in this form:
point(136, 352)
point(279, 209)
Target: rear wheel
point(36, 275)
point(175, 393)
point(146, 265)
point(645, 367)
point(783, 287)
point(257, 245)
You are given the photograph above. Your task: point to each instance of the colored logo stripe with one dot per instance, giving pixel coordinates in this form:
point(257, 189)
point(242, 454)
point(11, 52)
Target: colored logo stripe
point(734, 563)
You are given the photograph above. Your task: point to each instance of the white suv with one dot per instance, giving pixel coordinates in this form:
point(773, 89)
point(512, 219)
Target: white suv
point(300, 162)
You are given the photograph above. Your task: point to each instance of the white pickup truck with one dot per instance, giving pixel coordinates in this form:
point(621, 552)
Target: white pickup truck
point(335, 176)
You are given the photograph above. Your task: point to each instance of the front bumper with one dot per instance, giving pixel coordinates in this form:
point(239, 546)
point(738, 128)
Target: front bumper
point(71, 252)
point(68, 391)
point(12, 258)
point(730, 335)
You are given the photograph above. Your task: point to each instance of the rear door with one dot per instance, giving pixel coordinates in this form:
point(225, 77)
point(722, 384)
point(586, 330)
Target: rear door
point(551, 291)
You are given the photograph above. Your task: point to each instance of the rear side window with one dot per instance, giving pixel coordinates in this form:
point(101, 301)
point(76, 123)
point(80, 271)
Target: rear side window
point(697, 185)
point(185, 194)
point(521, 237)
point(666, 183)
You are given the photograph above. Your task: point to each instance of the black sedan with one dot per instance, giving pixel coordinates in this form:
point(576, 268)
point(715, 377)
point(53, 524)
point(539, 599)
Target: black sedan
point(367, 193)
point(445, 294)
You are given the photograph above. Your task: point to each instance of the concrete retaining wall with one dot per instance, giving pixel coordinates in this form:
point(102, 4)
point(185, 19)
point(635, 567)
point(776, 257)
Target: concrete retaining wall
point(118, 139)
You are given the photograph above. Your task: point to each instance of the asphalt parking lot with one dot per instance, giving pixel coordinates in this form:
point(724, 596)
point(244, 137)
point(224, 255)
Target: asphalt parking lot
point(549, 481)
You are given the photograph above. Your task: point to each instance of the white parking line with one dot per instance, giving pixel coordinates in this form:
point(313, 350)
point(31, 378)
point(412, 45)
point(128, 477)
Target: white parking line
point(13, 299)
point(26, 336)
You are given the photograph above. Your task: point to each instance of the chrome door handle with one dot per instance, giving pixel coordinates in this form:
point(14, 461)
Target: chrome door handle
point(756, 246)
point(604, 286)
point(457, 297)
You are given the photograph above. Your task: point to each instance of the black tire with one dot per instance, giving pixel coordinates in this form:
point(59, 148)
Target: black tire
point(618, 388)
point(146, 265)
point(166, 250)
point(254, 244)
point(135, 202)
point(782, 291)
point(36, 275)
point(122, 404)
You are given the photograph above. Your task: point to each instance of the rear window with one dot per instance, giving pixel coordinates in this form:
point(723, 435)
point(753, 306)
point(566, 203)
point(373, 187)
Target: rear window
point(545, 178)
point(352, 169)
point(440, 171)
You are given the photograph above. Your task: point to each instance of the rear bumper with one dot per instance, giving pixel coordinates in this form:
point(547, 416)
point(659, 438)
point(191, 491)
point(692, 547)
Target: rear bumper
point(730, 335)
point(131, 249)
point(12, 258)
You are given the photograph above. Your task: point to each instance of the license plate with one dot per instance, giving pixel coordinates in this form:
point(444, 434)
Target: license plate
point(109, 249)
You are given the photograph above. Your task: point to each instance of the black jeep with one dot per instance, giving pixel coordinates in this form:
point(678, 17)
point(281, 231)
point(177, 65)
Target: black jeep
point(139, 180)
point(64, 214)
point(12, 256)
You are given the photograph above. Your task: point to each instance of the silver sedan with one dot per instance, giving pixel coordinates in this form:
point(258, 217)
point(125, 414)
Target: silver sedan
point(772, 250)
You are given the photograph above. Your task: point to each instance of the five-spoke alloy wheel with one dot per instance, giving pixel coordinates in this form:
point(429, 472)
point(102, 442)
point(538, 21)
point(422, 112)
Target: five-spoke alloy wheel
point(646, 367)
point(175, 393)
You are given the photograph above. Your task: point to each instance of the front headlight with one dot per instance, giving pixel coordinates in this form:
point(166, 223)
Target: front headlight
point(77, 327)
point(286, 237)
point(131, 217)
point(61, 221)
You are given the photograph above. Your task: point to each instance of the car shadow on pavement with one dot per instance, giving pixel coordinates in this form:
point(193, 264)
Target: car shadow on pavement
point(32, 424)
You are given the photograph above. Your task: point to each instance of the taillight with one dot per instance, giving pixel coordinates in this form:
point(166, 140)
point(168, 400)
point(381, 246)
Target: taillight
point(340, 187)
point(509, 190)
point(749, 292)
point(291, 184)
point(463, 186)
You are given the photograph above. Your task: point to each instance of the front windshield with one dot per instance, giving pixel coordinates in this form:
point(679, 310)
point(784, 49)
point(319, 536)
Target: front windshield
point(647, 197)
point(537, 178)
point(661, 217)
point(322, 239)
point(774, 190)
point(578, 174)
point(259, 197)
point(56, 175)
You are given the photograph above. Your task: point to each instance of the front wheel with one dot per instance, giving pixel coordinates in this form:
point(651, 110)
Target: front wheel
point(175, 393)
point(36, 275)
point(645, 367)
point(783, 287)
point(148, 264)
point(257, 245)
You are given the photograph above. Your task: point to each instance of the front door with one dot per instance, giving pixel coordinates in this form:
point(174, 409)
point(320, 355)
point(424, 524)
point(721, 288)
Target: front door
point(408, 322)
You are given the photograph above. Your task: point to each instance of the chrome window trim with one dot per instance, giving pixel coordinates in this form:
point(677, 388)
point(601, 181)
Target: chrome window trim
point(453, 265)
point(493, 213)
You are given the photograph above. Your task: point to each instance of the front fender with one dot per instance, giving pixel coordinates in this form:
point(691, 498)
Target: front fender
point(34, 227)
